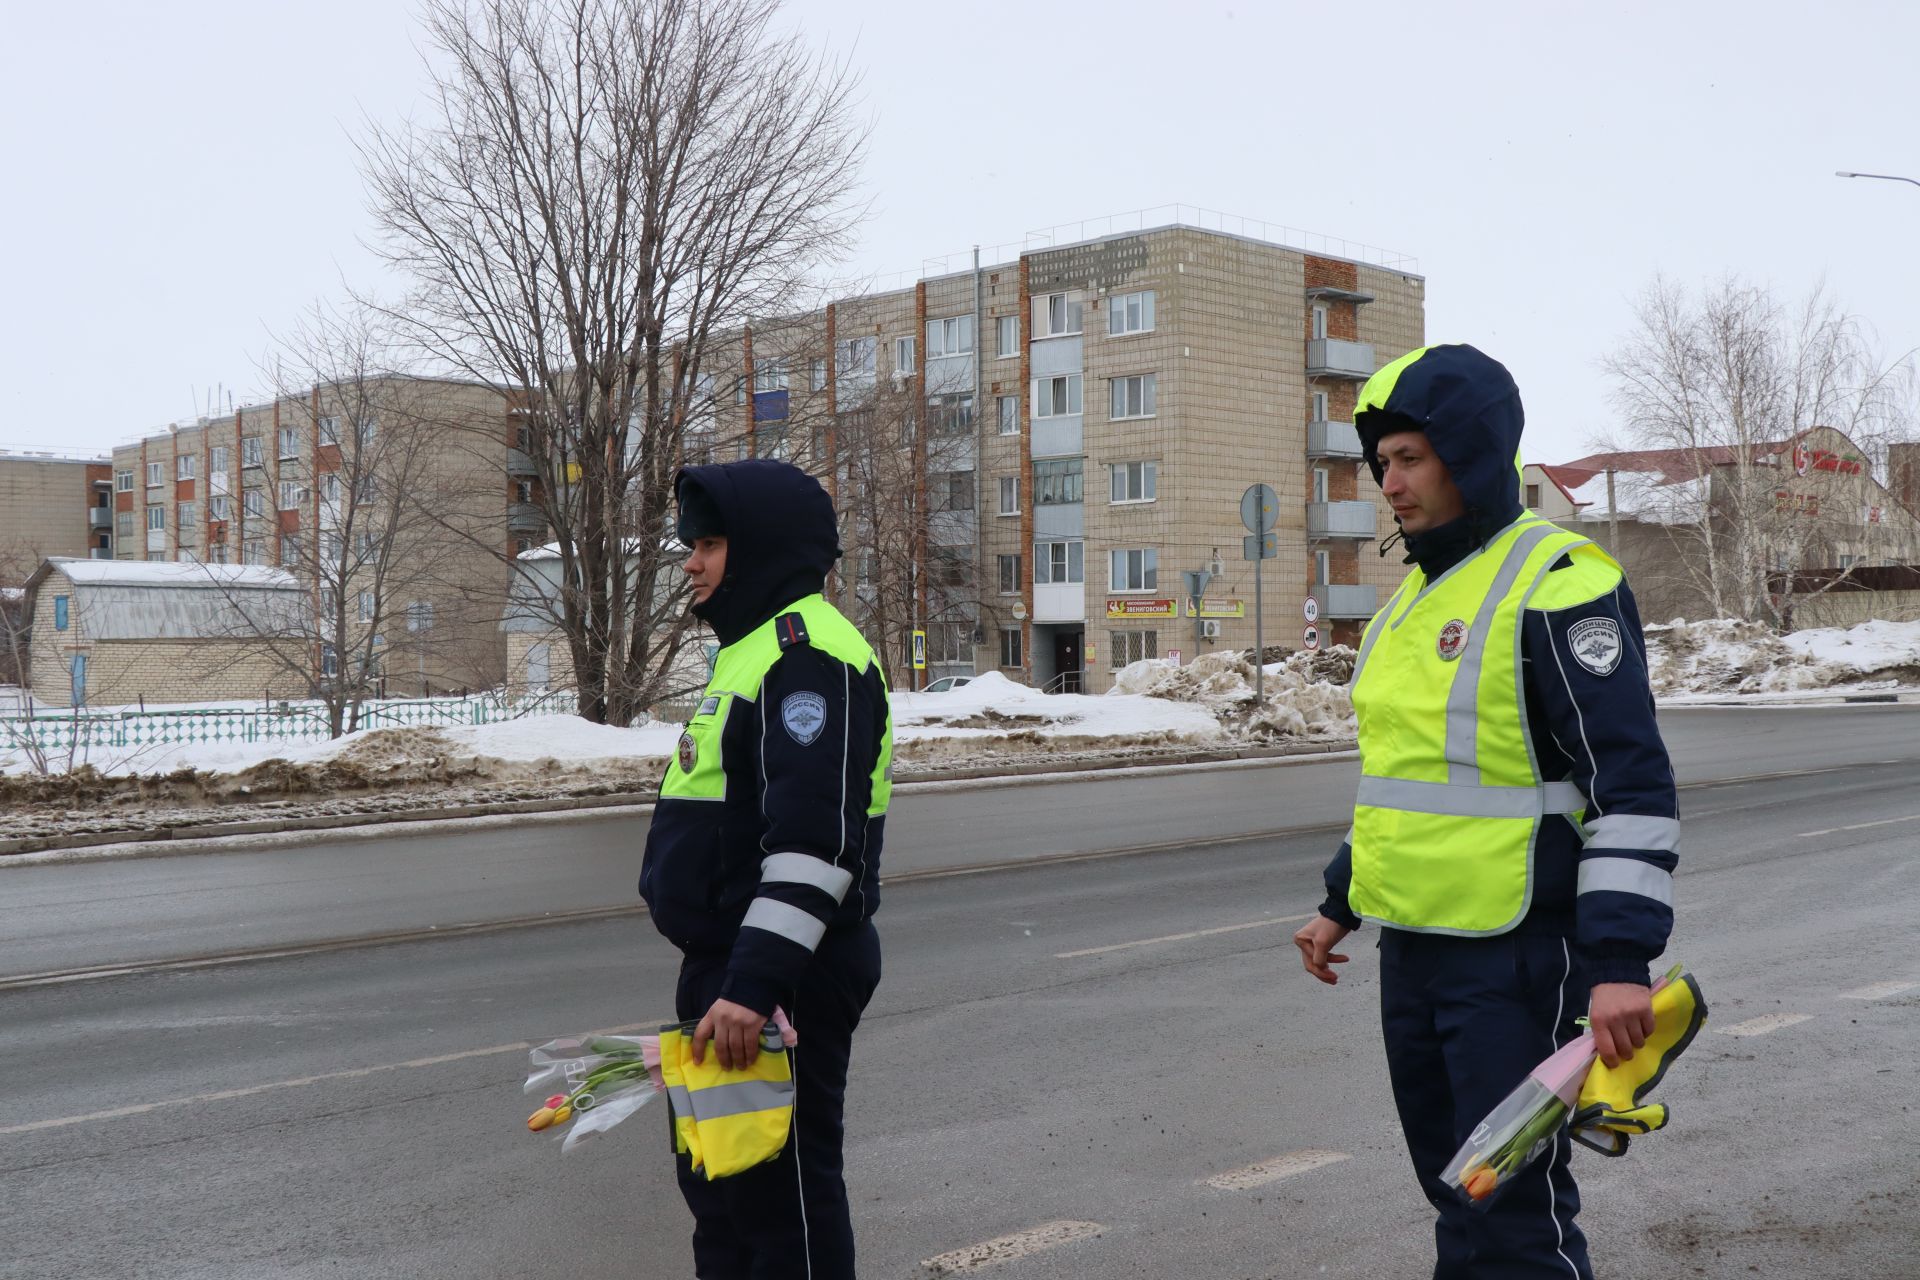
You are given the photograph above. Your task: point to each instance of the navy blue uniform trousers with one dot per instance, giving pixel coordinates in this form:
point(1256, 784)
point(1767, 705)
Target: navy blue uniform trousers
point(789, 1217)
point(1465, 1020)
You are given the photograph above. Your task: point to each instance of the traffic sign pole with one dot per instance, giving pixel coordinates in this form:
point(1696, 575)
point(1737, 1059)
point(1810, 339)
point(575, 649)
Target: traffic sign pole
point(1259, 512)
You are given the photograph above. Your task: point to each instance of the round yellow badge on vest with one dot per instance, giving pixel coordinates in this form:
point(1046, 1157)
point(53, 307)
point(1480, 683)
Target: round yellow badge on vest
point(1453, 639)
point(688, 752)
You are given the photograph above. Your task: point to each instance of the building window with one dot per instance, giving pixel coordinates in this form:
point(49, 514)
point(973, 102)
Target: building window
point(156, 557)
point(1009, 495)
point(1127, 647)
point(217, 507)
point(853, 360)
point(186, 515)
point(1055, 314)
point(366, 606)
point(1130, 313)
point(1133, 397)
point(1319, 484)
point(1007, 329)
point(903, 355)
point(60, 612)
point(1136, 569)
point(251, 452)
point(1058, 480)
point(1010, 582)
point(950, 642)
point(255, 551)
point(1056, 397)
point(330, 431)
point(184, 467)
point(123, 481)
point(1059, 562)
point(217, 459)
point(330, 487)
point(953, 415)
point(1322, 567)
point(770, 375)
point(365, 432)
point(1533, 497)
point(123, 521)
point(1010, 647)
point(156, 517)
point(1009, 415)
point(1135, 481)
point(1319, 320)
point(216, 553)
point(289, 494)
point(953, 493)
point(289, 442)
point(1319, 406)
point(817, 375)
point(952, 336)
point(290, 548)
point(254, 502)
point(155, 478)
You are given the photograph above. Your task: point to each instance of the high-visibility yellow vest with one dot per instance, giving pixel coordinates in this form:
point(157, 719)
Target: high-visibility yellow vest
point(697, 771)
point(1451, 799)
point(727, 1121)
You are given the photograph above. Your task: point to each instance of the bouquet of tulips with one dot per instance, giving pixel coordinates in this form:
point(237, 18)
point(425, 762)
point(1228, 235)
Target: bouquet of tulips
point(1524, 1126)
point(598, 1081)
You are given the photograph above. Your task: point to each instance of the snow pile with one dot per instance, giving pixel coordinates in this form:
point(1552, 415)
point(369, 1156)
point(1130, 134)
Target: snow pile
point(992, 717)
point(1724, 656)
point(1306, 693)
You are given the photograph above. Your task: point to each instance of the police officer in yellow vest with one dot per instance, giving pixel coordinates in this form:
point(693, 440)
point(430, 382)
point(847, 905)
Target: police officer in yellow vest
point(763, 860)
point(1515, 829)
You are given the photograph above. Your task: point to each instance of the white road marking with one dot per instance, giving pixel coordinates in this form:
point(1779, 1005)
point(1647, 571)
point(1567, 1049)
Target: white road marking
point(1048, 1235)
point(1259, 1175)
point(353, 1073)
point(1763, 1024)
point(1878, 991)
point(1858, 826)
point(1181, 937)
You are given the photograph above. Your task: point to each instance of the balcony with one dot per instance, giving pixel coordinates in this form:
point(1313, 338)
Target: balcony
point(1340, 600)
point(1059, 601)
point(525, 517)
point(1334, 293)
point(1338, 358)
point(1333, 440)
point(520, 463)
point(99, 517)
point(1340, 520)
point(100, 553)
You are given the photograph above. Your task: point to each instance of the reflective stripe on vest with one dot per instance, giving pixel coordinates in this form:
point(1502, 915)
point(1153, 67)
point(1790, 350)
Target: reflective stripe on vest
point(1450, 799)
point(697, 771)
point(727, 1121)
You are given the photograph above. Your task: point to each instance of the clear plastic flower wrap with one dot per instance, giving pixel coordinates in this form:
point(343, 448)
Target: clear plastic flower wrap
point(594, 1082)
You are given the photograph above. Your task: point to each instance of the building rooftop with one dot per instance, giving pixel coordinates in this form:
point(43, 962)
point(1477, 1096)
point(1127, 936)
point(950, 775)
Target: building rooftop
point(172, 573)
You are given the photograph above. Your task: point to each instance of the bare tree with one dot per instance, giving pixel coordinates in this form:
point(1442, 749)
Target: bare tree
point(603, 189)
point(1727, 383)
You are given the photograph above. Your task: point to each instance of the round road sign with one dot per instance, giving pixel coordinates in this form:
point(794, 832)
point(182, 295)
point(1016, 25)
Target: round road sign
point(1311, 609)
point(1019, 610)
point(1259, 508)
point(1311, 637)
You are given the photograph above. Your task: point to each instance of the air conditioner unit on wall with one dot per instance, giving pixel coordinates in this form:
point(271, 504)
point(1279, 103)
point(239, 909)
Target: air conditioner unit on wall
point(1209, 629)
point(1217, 568)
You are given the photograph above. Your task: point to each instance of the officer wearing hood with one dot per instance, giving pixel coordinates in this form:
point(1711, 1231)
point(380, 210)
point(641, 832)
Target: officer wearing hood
point(763, 860)
point(1515, 829)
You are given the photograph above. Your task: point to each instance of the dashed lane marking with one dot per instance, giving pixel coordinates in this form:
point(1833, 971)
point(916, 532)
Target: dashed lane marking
point(1857, 826)
point(1259, 1175)
point(354, 1073)
point(1766, 1022)
point(1878, 990)
point(1181, 937)
point(1048, 1235)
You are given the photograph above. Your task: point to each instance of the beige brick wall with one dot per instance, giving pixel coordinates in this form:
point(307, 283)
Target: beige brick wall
point(43, 512)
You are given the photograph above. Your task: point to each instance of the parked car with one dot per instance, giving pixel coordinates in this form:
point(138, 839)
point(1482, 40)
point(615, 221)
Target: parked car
point(945, 683)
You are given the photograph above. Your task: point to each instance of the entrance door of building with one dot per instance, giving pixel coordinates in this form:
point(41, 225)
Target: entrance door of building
point(1067, 665)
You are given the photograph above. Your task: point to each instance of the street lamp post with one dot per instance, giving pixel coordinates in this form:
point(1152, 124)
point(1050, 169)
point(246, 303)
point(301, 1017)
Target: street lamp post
point(1884, 177)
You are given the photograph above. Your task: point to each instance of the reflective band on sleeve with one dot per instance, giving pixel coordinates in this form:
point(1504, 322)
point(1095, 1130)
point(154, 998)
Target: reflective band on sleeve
point(1626, 875)
point(1635, 831)
point(719, 1101)
point(804, 868)
point(1469, 801)
point(1463, 711)
point(789, 922)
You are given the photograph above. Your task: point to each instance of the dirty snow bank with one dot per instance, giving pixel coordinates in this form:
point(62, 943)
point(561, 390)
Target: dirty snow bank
point(1727, 656)
point(1306, 693)
point(992, 718)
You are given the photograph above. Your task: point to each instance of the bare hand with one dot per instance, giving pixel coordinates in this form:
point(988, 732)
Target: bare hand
point(1620, 1015)
point(1317, 939)
point(735, 1032)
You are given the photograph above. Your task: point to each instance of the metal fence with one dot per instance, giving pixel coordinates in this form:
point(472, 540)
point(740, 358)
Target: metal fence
point(283, 721)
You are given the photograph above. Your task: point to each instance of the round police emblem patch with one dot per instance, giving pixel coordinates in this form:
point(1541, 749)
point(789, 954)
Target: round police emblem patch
point(1453, 638)
point(688, 751)
point(804, 715)
point(1595, 643)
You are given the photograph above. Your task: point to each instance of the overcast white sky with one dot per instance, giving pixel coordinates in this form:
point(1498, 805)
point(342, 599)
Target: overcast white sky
point(183, 179)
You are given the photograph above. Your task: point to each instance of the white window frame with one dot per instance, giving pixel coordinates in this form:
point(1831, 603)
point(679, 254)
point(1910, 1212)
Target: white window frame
point(855, 360)
point(156, 517)
point(289, 495)
point(253, 452)
point(185, 467)
point(366, 603)
point(1011, 573)
point(1122, 563)
point(950, 336)
point(156, 475)
point(289, 443)
point(1006, 337)
point(253, 503)
point(330, 487)
point(217, 508)
point(217, 459)
point(1065, 467)
point(817, 375)
point(1063, 388)
point(1130, 313)
point(329, 433)
point(770, 375)
point(123, 481)
point(186, 515)
point(1319, 410)
point(1011, 656)
point(1320, 479)
point(1009, 494)
point(1132, 482)
point(1124, 648)
point(1133, 397)
point(1319, 321)
point(254, 551)
point(1051, 309)
point(1060, 562)
point(1322, 567)
point(1007, 415)
point(904, 354)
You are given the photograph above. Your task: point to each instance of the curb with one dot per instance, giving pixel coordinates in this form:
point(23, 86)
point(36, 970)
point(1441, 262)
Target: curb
point(154, 841)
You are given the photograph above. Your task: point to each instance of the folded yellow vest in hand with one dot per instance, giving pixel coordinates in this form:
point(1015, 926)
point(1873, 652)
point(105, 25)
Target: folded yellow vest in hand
point(727, 1121)
point(1613, 1102)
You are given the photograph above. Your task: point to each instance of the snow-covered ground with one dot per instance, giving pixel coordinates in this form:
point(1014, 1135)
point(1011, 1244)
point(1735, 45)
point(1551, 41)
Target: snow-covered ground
point(1693, 660)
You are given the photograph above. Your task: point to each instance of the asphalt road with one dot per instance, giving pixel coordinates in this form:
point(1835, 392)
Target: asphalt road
point(1083, 1042)
point(66, 916)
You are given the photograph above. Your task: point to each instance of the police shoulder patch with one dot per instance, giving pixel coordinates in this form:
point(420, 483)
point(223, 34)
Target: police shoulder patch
point(804, 714)
point(1595, 644)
